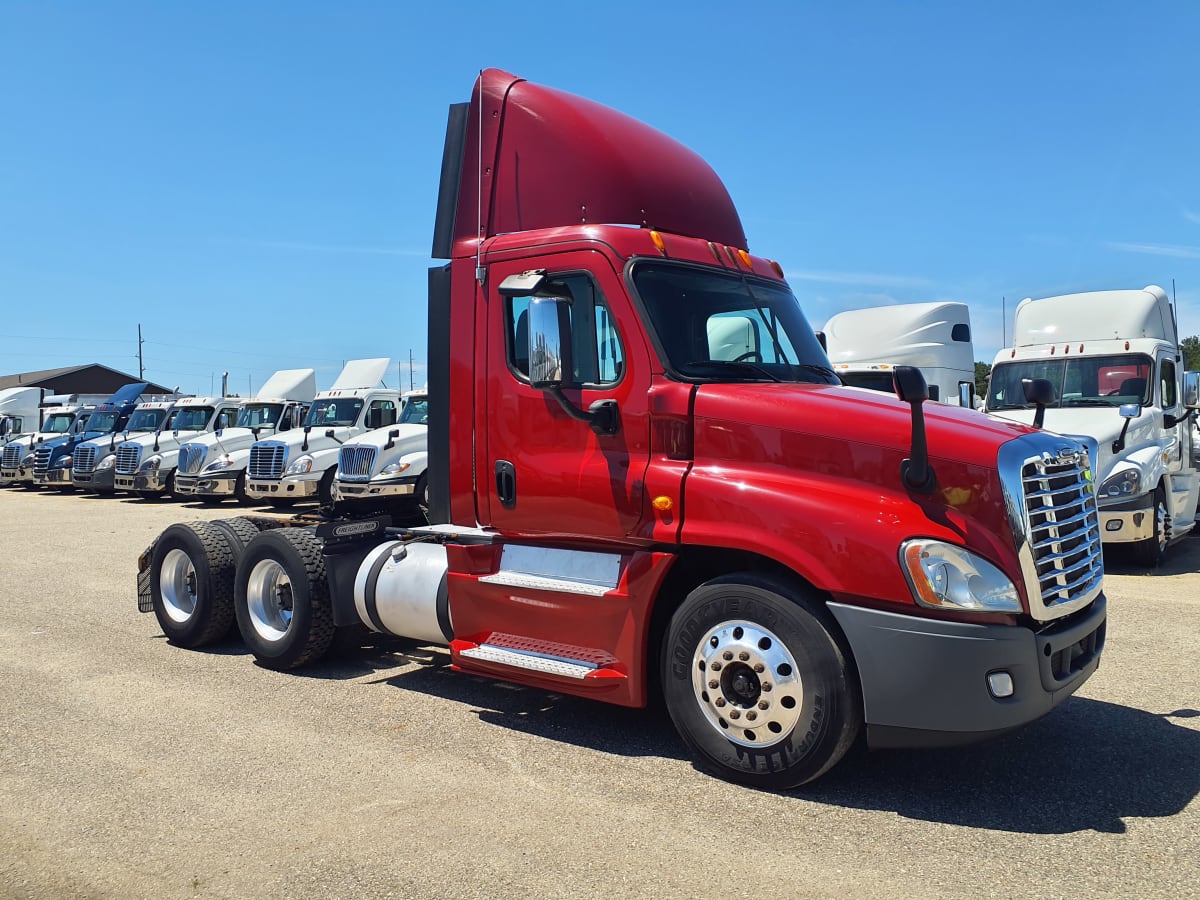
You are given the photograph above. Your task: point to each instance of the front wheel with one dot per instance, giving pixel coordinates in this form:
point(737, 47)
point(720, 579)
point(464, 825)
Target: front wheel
point(1150, 551)
point(757, 683)
point(281, 598)
point(191, 583)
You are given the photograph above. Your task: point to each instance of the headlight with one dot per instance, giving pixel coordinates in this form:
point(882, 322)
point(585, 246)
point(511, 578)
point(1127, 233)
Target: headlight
point(1123, 484)
point(395, 468)
point(27, 460)
point(63, 463)
point(302, 466)
point(107, 463)
point(221, 462)
point(944, 576)
point(151, 465)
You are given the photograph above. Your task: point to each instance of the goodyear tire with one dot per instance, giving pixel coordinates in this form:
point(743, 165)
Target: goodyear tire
point(758, 684)
point(191, 585)
point(281, 599)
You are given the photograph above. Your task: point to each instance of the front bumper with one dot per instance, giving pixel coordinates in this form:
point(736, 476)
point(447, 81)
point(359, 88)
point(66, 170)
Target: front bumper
point(207, 485)
point(292, 488)
point(53, 477)
point(138, 482)
point(96, 480)
point(924, 681)
point(1124, 523)
point(15, 476)
point(374, 490)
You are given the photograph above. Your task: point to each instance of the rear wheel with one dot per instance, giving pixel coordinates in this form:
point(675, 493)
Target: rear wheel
point(239, 490)
point(191, 585)
point(757, 683)
point(421, 492)
point(325, 489)
point(281, 599)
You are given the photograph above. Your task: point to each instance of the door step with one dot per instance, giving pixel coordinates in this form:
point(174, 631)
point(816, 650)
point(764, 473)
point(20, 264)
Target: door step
point(533, 655)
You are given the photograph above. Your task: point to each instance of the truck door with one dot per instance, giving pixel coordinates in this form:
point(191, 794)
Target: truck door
point(1180, 463)
point(541, 471)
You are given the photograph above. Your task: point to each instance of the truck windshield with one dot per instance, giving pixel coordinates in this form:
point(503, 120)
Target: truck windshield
point(102, 421)
point(145, 420)
point(416, 412)
point(721, 326)
point(192, 418)
point(1078, 381)
point(58, 424)
point(259, 415)
point(336, 412)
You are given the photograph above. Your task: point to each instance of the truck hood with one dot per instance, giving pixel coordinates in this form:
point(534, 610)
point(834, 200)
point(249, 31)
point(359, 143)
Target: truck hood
point(293, 440)
point(810, 420)
point(229, 440)
point(1104, 425)
point(409, 438)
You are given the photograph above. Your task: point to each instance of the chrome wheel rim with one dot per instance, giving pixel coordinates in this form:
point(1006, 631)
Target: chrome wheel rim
point(746, 684)
point(269, 600)
point(177, 584)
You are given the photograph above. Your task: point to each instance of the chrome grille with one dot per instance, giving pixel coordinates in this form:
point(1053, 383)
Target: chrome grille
point(84, 459)
point(12, 455)
point(266, 460)
point(41, 459)
point(191, 458)
point(128, 457)
point(1059, 521)
point(354, 463)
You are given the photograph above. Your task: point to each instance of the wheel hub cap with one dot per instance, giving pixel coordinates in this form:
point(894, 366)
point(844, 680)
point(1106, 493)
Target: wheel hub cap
point(269, 600)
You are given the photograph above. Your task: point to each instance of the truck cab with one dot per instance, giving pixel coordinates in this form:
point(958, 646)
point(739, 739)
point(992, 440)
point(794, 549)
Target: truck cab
point(1116, 365)
point(54, 461)
point(61, 416)
point(212, 466)
point(301, 465)
point(866, 345)
point(385, 467)
point(94, 464)
point(19, 412)
point(146, 463)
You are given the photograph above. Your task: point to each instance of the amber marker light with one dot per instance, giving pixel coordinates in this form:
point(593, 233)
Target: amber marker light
point(744, 256)
point(657, 240)
point(912, 561)
point(662, 503)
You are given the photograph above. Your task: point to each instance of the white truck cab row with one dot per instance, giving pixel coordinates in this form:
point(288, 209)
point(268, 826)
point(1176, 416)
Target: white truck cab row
point(146, 462)
point(385, 468)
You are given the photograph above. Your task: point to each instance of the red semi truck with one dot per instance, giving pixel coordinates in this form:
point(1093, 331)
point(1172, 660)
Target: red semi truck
point(644, 477)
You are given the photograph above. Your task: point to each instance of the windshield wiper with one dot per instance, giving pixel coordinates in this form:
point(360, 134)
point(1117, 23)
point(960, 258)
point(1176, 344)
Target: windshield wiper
point(1086, 401)
point(721, 364)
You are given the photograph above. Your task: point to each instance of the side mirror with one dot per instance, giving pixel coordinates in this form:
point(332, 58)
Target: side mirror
point(1040, 393)
point(915, 472)
point(966, 395)
point(1128, 412)
point(1191, 390)
point(822, 340)
point(549, 342)
point(392, 435)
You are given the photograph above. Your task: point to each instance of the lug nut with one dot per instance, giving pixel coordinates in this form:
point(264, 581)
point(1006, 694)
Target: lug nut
point(766, 686)
point(734, 714)
point(763, 704)
point(728, 654)
point(752, 715)
point(758, 667)
point(716, 667)
point(743, 656)
point(720, 701)
point(714, 684)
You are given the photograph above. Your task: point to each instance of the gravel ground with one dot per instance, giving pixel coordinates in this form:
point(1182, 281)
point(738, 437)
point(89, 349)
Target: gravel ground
point(131, 768)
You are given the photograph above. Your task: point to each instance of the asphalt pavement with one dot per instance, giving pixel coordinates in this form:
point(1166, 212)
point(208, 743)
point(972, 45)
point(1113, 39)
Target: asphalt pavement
point(131, 768)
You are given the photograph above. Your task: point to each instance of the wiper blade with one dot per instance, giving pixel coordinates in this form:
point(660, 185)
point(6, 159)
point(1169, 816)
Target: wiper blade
point(1086, 401)
point(725, 364)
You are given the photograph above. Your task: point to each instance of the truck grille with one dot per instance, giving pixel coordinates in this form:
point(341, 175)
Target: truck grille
point(266, 460)
point(128, 456)
point(191, 458)
point(354, 463)
point(12, 456)
point(41, 459)
point(85, 459)
point(1059, 521)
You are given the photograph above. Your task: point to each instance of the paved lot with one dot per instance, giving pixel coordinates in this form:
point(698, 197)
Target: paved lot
point(130, 768)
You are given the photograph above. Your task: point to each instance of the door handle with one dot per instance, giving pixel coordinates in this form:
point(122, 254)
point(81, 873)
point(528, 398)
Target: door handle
point(506, 483)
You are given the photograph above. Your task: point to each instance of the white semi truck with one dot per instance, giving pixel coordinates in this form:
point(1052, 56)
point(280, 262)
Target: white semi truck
point(866, 345)
point(301, 464)
point(213, 466)
point(1116, 365)
point(20, 409)
point(146, 464)
point(385, 468)
point(62, 415)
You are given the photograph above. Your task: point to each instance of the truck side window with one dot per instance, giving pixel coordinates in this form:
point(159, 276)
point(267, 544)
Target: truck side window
point(1166, 382)
point(380, 414)
point(227, 418)
point(597, 349)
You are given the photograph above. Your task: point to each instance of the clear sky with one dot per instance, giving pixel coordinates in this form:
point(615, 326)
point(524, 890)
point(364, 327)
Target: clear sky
point(254, 182)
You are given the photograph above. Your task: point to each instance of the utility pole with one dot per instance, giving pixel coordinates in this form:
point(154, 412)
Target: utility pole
point(410, 370)
point(141, 367)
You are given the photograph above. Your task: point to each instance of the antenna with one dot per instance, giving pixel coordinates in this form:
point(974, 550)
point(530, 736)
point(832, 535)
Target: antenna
point(141, 368)
point(410, 370)
point(1003, 322)
point(479, 193)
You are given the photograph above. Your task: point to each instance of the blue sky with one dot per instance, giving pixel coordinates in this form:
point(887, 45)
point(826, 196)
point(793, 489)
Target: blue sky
point(254, 183)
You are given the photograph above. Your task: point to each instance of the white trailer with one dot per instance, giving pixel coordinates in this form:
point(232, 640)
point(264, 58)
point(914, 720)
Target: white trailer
point(212, 466)
point(301, 464)
point(19, 412)
point(865, 346)
point(1115, 362)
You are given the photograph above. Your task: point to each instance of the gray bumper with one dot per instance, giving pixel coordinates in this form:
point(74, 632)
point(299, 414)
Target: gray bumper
point(15, 476)
point(53, 477)
point(924, 681)
point(96, 480)
point(286, 488)
point(156, 482)
point(372, 490)
point(207, 485)
point(1123, 523)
